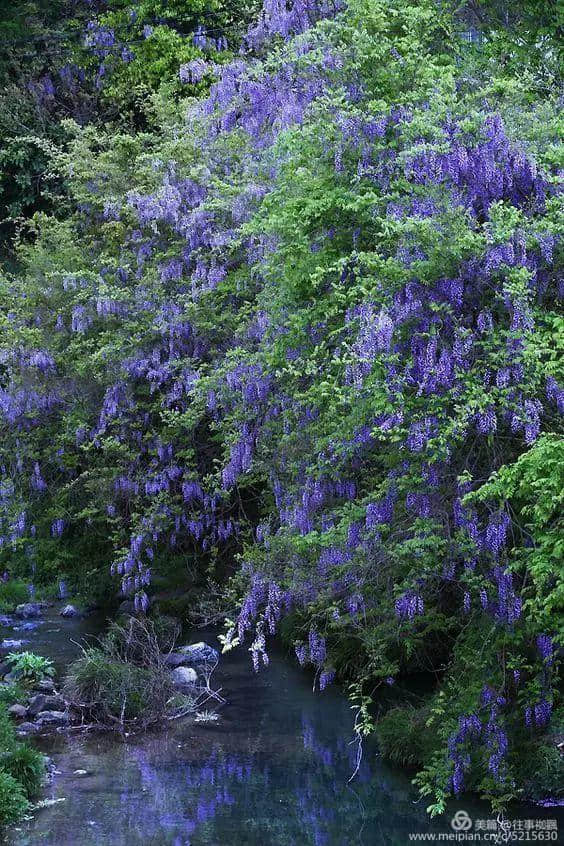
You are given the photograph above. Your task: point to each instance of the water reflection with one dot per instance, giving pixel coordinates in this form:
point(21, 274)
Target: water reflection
point(273, 771)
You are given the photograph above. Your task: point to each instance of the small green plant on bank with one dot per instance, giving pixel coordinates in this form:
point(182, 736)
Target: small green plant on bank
point(29, 668)
point(13, 803)
point(26, 765)
point(21, 772)
point(11, 693)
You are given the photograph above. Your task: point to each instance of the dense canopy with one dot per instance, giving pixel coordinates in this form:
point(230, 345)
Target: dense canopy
point(299, 332)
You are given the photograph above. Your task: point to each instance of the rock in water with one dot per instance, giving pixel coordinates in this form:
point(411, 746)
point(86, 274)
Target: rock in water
point(26, 627)
point(70, 611)
point(200, 653)
point(175, 659)
point(44, 702)
point(9, 643)
point(28, 609)
point(27, 728)
point(184, 676)
point(47, 717)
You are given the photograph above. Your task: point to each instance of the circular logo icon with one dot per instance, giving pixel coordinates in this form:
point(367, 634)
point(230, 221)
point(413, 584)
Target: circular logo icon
point(461, 821)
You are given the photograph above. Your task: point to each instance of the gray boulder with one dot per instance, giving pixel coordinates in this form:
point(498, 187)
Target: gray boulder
point(37, 703)
point(55, 703)
point(10, 643)
point(17, 711)
point(199, 653)
point(70, 611)
point(27, 728)
point(44, 702)
point(26, 627)
point(184, 676)
point(176, 659)
point(45, 686)
point(52, 717)
point(28, 609)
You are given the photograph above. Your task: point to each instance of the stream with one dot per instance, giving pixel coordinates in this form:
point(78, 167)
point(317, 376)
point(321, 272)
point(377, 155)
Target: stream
point(273, 770)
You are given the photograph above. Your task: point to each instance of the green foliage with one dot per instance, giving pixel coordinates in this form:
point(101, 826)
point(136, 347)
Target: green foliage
point(26, 766)
point(402, 735)
point(177, 606)
point(21, 772)
point(48, 73)
point(534, 485)
point(26, 124)
point(7, 735)
point(12, 593)
point(123, 688)
point(332, 241)
point(540, 769)
point(13, 803)
point(28, 668)
point(157, 39)
point(124, 681)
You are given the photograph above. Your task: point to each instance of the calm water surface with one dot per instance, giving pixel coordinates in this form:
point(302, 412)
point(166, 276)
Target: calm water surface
point(274, 770)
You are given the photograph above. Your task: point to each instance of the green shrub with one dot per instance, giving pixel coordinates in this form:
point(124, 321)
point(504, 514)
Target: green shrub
point(176, 606)
point(13, 803)
point(7, 734)
point(11, 693)
point(124, 679)
point(141, 642)
point(20, 766)
point(29, 668)
point(12, 593)
point(540, 769)
point(27, 766)
point(401, 735)
point(120, 689)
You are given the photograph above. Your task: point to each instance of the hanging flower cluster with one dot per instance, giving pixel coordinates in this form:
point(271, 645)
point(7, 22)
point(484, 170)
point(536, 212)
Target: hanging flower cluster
point(323, 303)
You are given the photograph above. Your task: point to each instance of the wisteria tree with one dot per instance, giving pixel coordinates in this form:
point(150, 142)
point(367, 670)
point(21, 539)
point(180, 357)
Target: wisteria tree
point(314, 325)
